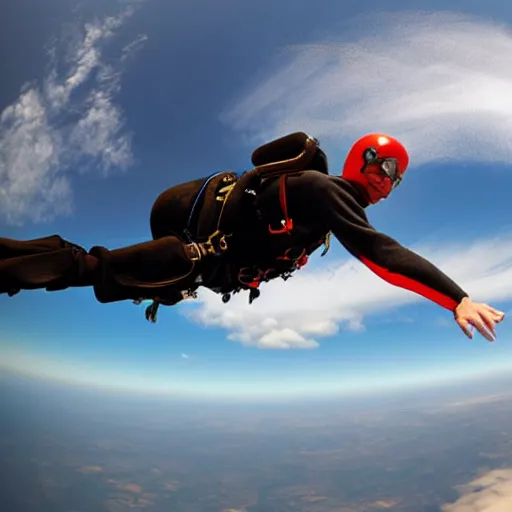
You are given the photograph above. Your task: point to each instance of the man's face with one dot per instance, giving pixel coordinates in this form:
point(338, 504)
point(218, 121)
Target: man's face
point(379, 183)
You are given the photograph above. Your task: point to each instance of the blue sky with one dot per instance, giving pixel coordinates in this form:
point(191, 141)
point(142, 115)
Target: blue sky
point(106, 104)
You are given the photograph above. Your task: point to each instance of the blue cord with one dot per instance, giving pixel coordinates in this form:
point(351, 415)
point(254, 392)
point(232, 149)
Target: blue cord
point(198, 197)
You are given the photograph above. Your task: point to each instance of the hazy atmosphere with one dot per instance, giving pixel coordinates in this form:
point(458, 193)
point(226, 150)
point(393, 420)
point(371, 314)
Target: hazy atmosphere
point(334, 391)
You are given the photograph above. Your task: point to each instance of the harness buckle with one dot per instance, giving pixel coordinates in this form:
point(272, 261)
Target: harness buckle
point(194, 251)
point(223, 245)
point(215, 244)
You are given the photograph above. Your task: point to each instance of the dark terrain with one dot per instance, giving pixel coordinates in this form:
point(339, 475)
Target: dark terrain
point(72, 450)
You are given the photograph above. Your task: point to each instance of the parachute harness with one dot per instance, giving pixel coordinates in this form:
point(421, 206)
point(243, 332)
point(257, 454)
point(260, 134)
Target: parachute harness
point(214, 245)
point(305, 149)
point(292, 259)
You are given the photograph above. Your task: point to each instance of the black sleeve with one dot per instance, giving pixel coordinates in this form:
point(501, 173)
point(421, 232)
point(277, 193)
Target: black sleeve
point(399, 266)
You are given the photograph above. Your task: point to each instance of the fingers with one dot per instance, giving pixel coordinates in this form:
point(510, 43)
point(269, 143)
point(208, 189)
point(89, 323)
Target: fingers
point(488, 321)
point(497, 318)
point(484, 327)
point(466, 327)
point(481, 325)
point(498, 315)
point(480, 316)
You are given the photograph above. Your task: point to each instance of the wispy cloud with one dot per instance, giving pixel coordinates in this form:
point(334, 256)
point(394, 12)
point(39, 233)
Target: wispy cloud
point(317, 303)
point(491, 492)
point(439, 81)
point(184, 356)
point(479, 400)
point(67, 123)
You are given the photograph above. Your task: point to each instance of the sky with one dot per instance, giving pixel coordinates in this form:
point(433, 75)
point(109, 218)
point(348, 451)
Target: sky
point(104, 105)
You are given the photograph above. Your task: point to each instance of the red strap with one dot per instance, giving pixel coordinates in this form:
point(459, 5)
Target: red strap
point(288, 223)
point(302, 261)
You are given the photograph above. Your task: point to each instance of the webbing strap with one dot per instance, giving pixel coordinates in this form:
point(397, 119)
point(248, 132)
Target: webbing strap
point(199, 196)
point(286, 222)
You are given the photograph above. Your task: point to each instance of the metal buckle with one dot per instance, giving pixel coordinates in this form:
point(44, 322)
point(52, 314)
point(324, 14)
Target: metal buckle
point(215, 239)
point(194, 252)
point(223, 245)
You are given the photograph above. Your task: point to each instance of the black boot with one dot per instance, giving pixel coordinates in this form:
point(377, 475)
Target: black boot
point(157, 269)
point(51, 270)
point(160, 269)
point(10, 248)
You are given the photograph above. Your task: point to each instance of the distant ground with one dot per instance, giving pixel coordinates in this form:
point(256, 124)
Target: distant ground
point(71, 450)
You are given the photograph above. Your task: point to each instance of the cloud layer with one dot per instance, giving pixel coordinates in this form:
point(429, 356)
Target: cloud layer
point(491, 492)
point(441, 82)
point(68, 123)
point(318, 302)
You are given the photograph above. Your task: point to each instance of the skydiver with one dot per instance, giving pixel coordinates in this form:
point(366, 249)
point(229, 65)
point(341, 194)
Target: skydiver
point(230, 233)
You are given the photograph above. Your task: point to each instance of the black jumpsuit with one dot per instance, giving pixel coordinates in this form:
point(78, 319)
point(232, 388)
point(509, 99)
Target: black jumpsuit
point(337, 205)
point(317, 204)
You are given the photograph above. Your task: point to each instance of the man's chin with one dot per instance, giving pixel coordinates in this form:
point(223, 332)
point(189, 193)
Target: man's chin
point(376, 195)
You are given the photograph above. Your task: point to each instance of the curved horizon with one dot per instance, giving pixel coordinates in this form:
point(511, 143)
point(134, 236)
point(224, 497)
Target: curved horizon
point(310, 384)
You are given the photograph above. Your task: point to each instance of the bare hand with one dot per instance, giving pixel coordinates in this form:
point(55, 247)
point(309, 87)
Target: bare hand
point(481, 316)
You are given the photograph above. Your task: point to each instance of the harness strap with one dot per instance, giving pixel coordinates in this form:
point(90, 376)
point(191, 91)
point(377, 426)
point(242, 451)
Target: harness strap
point(287, 223)
point(194, 210)
point(297, 150)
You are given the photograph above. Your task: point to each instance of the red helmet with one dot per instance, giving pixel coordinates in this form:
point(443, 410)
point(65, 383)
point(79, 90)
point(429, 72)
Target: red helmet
point(377, 163)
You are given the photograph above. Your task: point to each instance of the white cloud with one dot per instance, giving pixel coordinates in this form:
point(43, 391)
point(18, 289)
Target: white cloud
point(491, 492)
point(478, 400)
point(69, 123)
point(184, 356)
point(439, 81)
point(134, 45)
point(317, 302)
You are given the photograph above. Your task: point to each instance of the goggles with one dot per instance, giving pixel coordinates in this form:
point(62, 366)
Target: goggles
point(386, 166)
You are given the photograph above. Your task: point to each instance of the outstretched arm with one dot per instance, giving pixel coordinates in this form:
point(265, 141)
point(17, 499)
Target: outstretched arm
point(398, 265)
point(382, 254)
